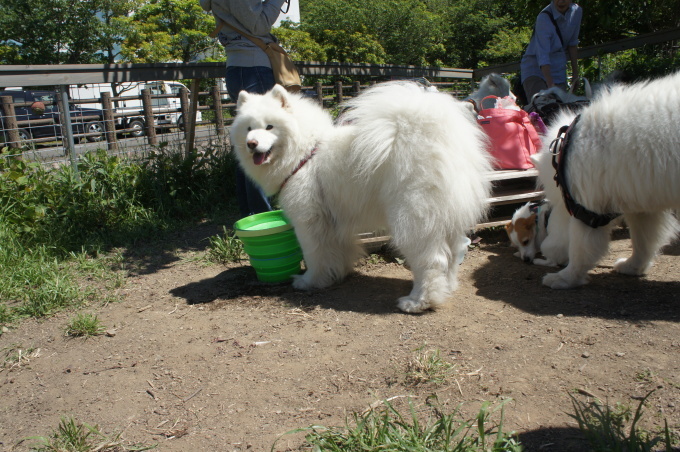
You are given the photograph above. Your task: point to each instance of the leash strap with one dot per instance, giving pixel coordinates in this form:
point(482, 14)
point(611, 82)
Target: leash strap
point(535, 208)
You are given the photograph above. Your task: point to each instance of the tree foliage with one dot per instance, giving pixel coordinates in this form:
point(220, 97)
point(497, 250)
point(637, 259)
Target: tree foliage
point(167, 30)
point(53, 31)
point(453, 33)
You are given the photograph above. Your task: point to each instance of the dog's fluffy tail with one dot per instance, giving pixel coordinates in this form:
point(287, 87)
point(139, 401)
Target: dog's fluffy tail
point(422, 137)
point(394, 116)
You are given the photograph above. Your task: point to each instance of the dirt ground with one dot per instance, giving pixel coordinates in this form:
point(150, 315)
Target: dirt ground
point(203, 357)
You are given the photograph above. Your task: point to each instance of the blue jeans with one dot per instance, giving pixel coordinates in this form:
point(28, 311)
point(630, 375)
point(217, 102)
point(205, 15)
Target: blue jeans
point(251, 199)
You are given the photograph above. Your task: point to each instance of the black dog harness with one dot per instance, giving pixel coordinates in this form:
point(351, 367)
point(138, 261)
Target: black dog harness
point(559, 149)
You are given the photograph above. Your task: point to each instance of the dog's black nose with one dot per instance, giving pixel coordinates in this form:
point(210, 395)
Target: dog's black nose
point(527, 259)
point(252, 144)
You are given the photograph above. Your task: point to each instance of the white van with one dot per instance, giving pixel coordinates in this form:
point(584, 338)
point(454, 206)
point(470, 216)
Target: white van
point(167, 111)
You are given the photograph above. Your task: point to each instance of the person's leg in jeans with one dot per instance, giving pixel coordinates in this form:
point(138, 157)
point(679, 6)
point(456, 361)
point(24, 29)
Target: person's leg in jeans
point(251, 199)
point(533, 85)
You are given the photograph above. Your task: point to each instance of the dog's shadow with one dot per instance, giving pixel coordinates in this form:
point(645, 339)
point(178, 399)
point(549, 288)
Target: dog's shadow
point(357, 292)
point(607, 295)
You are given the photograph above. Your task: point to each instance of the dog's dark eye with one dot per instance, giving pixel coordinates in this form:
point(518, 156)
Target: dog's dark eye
point(270, 127)
point(525, 243)
point(249, 129)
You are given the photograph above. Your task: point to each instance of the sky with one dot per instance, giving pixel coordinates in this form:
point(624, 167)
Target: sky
point(293, 12)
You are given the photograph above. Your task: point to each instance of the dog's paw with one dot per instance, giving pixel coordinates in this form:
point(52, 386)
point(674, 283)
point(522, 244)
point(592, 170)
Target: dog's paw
point(408, 304)
point(558, 281)
point(626, 267)
point(301, 283)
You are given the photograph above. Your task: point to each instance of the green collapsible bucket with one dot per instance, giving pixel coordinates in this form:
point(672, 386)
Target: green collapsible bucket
point(269, 240)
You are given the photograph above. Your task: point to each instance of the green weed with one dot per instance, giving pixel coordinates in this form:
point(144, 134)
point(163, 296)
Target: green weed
point(428, 366)
point(225, 248)
point(74, 436)
point(16, 356)
point(84, 325)
point(616, 429)
point(385, 428)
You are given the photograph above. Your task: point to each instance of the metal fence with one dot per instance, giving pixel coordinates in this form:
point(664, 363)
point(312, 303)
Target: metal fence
point(159, 116)
point(194, 116)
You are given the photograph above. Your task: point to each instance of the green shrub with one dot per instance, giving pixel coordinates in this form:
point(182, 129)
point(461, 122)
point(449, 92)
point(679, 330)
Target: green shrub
point(48, 216)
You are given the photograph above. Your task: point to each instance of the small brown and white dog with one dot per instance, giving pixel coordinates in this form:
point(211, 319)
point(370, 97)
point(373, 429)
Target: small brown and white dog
point(531, 231)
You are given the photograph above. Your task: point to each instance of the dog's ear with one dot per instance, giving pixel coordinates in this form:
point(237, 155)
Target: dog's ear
point(531, 222)
point(243, 96)
point(508, 227)
point(279, 92)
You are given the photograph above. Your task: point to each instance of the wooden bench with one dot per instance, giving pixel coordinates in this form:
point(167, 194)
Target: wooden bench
point(510, 187)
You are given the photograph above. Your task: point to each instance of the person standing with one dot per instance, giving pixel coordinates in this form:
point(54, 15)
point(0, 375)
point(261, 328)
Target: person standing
point(248, 69)
point(544, 64)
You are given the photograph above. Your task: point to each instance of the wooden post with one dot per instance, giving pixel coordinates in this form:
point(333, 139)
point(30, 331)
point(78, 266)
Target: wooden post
point(190, 119)
point(109, 123)
point(149, 121)
point(10, 122)
point(338, 92)
point(184, 107)
point(217, 103)
point(66, 128)
point(319, 92)
point(357, 88)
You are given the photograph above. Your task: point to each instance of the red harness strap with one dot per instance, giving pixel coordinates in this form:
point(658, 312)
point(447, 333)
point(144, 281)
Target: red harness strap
point(299, 166)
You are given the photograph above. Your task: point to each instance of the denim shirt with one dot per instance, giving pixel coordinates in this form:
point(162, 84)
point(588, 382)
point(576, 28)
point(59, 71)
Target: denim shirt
point(545, 47)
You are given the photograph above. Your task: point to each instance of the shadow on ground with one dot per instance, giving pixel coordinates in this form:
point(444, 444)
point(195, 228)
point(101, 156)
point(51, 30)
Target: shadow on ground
point(166, 250)
point(357, 293)
point(608, 295)
point(566, 439)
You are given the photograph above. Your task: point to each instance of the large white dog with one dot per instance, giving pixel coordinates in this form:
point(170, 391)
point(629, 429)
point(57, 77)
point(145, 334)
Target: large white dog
point(404, 159)
point(623, 156)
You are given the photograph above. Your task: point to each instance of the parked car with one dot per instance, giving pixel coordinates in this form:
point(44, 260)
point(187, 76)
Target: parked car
point(166, 110)
point(43, 105)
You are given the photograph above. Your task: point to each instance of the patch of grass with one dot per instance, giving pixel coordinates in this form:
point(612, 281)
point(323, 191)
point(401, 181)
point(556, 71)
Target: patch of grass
point(386, 429)
point(34, 284)
point(74, 436)
point(15, 356)
point(428, 366)
point(84, 325)
point(616, 429)
point(225, 248)
point(644, 375)
point(375, 258)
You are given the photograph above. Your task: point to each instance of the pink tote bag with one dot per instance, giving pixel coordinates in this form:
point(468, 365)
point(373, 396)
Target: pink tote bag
point(513, 138)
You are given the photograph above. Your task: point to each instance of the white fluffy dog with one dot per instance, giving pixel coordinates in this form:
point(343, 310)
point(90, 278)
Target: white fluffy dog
point(491, 85)
point(623, 157)
point(404, 159)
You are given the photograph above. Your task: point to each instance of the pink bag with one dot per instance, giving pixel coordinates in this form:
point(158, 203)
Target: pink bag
point(513, 138)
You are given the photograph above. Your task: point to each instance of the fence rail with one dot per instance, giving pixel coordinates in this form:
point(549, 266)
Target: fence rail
point(210, 103)
point(656, 37)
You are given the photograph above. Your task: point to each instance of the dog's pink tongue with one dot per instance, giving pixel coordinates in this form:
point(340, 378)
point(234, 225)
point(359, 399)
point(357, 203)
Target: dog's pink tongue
point(259, 158)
